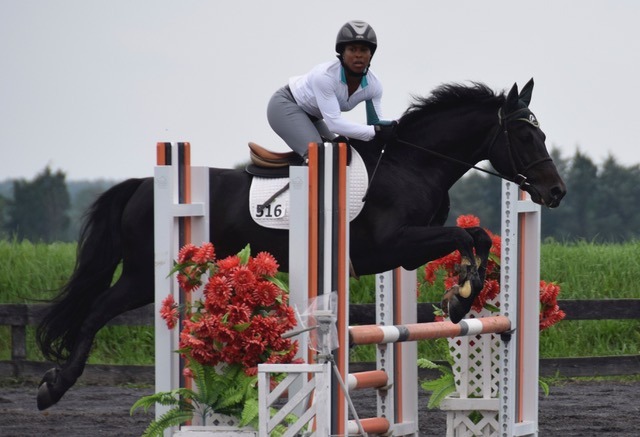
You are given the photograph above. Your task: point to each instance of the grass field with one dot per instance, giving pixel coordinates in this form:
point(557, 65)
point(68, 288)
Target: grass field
point(32, 272)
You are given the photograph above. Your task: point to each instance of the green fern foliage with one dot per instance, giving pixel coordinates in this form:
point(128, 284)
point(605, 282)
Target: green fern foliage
point(440, 388)
point(226, 390)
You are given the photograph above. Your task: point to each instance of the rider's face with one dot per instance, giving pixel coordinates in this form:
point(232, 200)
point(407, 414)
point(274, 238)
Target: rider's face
point(356, 57)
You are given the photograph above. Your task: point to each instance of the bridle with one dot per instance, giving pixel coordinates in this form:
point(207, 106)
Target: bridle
point(524, 115)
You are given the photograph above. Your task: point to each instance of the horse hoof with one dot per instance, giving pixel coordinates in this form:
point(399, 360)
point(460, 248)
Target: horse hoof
point(457, 309)
point(45, 397)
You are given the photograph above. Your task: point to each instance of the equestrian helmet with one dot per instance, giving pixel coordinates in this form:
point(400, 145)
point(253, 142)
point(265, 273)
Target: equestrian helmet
point(356, 31)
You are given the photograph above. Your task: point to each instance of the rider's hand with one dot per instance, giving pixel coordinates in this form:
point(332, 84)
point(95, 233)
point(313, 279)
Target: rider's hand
point(386, 133)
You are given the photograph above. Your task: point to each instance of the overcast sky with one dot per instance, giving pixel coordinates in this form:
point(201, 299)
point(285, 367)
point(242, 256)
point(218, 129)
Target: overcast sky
point(89, 87)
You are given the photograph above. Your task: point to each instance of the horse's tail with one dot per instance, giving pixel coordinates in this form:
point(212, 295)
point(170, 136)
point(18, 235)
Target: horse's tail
point(98, 254)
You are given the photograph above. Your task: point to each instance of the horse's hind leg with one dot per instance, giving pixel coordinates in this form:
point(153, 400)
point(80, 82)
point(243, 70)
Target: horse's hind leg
point(127, 294)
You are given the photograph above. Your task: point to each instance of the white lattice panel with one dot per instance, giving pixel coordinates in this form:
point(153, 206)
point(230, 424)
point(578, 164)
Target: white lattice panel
point(461, 424)
point(476, 373)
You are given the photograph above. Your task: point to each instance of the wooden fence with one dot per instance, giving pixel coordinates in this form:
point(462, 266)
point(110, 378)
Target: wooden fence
point(19, 316)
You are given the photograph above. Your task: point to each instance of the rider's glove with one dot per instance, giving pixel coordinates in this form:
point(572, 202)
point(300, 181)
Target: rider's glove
point(386, 133)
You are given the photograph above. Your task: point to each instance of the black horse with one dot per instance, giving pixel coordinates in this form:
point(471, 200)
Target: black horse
point(439, 139)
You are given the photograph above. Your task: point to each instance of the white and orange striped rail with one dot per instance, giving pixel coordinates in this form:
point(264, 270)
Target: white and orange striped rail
point(369, 379)
point(373, 425)
point(376, 334)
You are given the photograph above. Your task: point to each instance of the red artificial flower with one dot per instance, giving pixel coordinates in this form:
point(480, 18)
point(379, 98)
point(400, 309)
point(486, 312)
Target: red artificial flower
point(492, 287)
point(228, 265)
point(264, 264)
point(447, 263)
point(217, 292)
point(244, 281)
point(468, 221)
point(188, 340)
point(205, 356)
point(189, 278)
point(450, 281)
point(430, 273)
point(186, 253)
point(266, 293)
point(287, 316)
point(242, 315)
point(550, 312)
point(253, 371)
point(169, 311)
point(549, 293)
point(253, 350)
point(238, 314)
point(204, 254)
point(496, 244)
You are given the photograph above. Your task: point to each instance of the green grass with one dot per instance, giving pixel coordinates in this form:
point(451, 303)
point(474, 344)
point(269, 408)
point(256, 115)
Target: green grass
point(593, 271)
point(32, 273)
point(585, 338)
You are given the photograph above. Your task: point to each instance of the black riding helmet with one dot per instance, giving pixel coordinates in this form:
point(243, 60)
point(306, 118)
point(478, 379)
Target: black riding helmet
point(356, 31)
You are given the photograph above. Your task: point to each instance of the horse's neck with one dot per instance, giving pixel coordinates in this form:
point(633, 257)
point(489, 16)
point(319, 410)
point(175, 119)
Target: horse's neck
point(458, 137)
point(464, 138)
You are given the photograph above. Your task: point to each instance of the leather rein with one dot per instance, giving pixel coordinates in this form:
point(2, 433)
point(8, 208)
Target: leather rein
point(518, 178)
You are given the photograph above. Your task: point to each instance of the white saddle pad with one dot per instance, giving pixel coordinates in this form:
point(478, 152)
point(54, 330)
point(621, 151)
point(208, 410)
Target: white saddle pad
point(276, 214)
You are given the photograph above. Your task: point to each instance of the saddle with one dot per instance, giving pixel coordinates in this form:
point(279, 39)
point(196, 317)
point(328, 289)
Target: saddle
point(268, 164)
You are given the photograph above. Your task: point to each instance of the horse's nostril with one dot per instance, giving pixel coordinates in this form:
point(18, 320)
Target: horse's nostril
point(558, 192)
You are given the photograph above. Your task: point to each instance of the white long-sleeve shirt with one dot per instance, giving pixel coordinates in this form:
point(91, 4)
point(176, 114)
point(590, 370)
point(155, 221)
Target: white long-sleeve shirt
point(323, 93)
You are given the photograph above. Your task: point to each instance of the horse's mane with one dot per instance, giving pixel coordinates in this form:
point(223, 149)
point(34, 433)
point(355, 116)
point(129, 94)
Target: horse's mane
point(451, 95)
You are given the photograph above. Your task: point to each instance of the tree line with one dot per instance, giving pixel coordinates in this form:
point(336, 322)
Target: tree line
point(46, 209)
point(601, 204)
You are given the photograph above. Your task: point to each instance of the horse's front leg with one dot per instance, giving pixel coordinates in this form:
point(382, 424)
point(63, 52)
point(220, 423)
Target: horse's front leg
point(414, 246)
point(457, 301)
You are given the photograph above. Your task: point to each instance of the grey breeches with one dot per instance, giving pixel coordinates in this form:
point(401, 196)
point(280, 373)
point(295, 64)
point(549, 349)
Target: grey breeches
point(293, 124)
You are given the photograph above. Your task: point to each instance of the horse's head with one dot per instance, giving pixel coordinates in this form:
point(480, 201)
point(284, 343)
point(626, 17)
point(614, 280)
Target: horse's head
point(518, 150)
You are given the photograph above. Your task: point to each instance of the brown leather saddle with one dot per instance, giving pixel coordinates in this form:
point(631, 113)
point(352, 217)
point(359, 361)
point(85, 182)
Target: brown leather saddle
point(268, 164)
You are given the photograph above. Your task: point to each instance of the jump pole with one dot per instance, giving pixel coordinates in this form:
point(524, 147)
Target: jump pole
point(181, 216)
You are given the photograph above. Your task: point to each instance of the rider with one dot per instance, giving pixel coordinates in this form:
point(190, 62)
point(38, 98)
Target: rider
point(309, 108)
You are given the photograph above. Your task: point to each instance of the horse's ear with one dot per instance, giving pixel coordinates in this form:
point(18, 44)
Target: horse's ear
point(525, 94)
point(512, 99)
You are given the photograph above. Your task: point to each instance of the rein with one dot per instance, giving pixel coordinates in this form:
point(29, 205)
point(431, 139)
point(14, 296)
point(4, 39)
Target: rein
point(519, 179)
point(454, 160)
